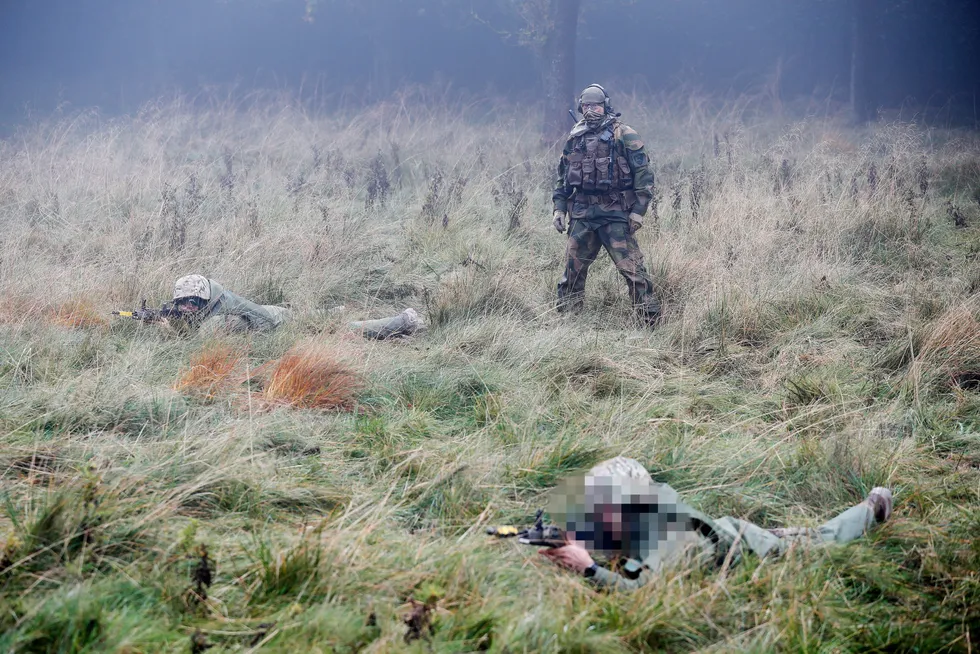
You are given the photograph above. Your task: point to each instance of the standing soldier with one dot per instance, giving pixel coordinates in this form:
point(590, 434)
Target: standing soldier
point(605, 176)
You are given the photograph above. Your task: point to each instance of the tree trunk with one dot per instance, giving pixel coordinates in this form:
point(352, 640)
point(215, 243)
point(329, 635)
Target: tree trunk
point(863, 104)
point(558, 67)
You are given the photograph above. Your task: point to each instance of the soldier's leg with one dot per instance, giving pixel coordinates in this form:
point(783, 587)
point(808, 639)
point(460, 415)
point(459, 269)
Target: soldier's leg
point(849, 525)
point(581, 250)
point(405, 323)
point(625, 253)
point(748, 535)
point(279, 314)
point(857, 520)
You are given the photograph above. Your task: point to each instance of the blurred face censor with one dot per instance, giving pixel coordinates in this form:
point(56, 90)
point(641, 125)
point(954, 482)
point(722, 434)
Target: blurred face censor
point(610, 517)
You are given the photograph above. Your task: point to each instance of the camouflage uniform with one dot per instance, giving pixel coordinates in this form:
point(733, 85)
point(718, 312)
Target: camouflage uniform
point(672, 531)
point(604, 176)
point(226, 311)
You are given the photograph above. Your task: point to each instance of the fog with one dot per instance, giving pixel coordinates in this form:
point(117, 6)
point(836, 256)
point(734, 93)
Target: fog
point(119, 54)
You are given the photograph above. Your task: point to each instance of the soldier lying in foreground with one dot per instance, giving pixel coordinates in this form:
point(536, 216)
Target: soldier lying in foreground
point(617, 510)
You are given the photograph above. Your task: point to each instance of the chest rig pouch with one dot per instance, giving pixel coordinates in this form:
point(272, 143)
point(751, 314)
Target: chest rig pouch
point(596, 167)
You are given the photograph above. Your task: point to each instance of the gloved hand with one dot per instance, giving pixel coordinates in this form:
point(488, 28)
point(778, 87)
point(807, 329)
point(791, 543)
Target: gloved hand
point(559, 221)
point(636, 222)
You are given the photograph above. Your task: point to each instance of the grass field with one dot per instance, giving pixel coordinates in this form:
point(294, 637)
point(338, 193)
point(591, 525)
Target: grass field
point(294, 492)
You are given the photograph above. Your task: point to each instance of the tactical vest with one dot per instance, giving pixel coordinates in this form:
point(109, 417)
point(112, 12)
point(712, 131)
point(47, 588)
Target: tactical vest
point(596, 166)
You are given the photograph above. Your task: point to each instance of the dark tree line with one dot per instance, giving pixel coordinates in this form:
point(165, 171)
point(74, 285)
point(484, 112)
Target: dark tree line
point(550, 29)
point(873, 53)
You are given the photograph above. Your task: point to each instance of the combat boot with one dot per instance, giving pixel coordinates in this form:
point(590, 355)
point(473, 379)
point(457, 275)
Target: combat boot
point(880, 501)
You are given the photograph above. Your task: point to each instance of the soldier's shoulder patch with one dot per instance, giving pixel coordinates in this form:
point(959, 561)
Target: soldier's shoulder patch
point(630, 138)
point(633, 143)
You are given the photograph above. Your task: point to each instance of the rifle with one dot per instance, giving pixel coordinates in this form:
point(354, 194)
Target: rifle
point(539, 534)
point(151, 315)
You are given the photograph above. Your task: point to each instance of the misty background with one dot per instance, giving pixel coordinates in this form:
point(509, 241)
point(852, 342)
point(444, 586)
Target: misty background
point(120, 54)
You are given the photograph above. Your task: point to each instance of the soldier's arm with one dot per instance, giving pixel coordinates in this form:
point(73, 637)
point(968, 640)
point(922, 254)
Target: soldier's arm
point(561, 194)
point(212, 326)
point(642, 170)
point(606, 578)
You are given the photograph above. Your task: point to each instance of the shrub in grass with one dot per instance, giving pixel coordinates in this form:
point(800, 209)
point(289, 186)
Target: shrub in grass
point(276, 572)
point(473, 293)
point(950, 349)
point(311, 376)
point(74, 622)
point(78, 314)
point(210, 372)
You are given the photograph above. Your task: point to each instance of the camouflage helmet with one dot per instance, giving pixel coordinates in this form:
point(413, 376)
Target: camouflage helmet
point(615, 481)
point(594, 94)
point(192, 286)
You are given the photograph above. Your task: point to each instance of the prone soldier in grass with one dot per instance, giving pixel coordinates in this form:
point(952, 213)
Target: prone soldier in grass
point(604, 188)
point(205, 305)
point(618, 511)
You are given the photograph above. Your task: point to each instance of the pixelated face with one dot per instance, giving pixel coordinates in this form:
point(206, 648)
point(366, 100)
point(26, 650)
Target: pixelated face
point(621, 516)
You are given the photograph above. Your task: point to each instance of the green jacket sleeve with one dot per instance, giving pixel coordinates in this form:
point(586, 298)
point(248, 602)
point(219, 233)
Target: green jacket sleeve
point(606, 578)
point(640, 164)
point(256, 316)
point(561, 193)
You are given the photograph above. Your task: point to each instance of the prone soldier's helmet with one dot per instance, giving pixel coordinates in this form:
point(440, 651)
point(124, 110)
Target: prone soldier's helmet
point(594, 94)
point(196, 286)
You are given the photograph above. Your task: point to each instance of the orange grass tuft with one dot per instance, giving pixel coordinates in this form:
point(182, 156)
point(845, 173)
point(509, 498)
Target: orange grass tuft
point(78, 314)
point(211, 371)
point(19, 308)
point(312, 377)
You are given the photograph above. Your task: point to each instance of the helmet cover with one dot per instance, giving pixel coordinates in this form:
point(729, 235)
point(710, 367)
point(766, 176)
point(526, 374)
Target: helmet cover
point(192, 286)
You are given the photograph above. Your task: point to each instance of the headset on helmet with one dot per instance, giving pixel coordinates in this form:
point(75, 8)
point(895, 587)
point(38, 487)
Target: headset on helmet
point(605, 98)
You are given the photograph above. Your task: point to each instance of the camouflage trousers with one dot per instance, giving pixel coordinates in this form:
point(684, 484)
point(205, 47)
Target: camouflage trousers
point(849, 525)
point(584, 241)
